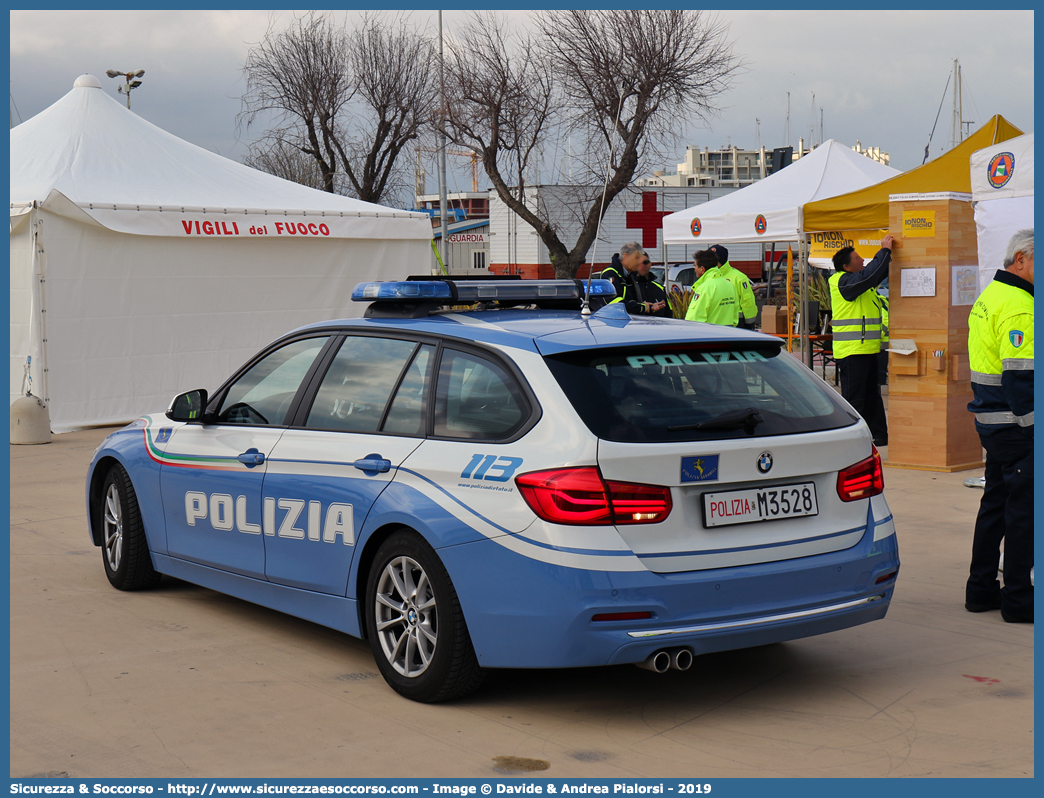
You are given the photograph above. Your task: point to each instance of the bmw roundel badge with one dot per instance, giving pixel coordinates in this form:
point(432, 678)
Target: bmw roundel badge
point(764, 462)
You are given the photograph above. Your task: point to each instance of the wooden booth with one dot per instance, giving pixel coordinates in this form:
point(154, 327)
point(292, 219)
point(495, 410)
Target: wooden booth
point(933, 283)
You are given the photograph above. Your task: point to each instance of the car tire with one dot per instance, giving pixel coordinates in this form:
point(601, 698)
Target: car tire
point(125, 551)
point(415, 623)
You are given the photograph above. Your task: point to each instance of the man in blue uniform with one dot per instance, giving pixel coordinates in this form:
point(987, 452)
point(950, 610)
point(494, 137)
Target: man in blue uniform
point(1000, 349)
point(635, 286)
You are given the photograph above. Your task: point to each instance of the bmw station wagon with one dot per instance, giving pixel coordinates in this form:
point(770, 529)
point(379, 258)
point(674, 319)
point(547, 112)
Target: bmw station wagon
point(521, 484)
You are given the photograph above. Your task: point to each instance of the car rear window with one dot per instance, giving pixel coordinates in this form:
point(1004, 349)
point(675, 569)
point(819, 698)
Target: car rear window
point(696, 392)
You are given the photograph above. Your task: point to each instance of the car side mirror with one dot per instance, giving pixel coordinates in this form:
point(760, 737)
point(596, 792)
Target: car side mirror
point(189, 406)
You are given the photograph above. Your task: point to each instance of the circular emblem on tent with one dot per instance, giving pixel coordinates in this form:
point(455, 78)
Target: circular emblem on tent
point(760, 225)
point(764, 462)
point(1001, 168)
point(696, 227)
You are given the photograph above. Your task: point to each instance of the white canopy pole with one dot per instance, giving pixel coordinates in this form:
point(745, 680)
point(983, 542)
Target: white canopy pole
point(805, 326)
point(38, 309)
point(30, 420)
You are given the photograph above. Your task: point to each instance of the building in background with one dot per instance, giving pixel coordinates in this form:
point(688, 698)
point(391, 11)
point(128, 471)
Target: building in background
point(460, 206)
point(635, 215)
point(734, 167)
point(873, 153)
point(467, 247)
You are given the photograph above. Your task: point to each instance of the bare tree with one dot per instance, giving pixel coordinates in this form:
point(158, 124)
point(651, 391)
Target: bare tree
point(286, 160)
point(350, 100)
point(499, 95)
point(299, 75)
point(622, 81)
point(393, 70)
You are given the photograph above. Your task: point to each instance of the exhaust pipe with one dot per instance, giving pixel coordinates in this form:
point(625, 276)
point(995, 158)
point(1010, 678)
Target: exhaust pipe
point(658, 662)
point(681, 659)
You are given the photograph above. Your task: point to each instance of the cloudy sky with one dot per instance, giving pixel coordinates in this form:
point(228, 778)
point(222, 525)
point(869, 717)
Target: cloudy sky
point(878, 76)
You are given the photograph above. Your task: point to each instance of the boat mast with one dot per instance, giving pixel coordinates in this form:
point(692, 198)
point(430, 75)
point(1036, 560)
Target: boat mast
point(957, 118)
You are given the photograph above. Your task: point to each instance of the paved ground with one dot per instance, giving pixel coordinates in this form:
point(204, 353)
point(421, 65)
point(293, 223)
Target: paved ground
point(183, 682)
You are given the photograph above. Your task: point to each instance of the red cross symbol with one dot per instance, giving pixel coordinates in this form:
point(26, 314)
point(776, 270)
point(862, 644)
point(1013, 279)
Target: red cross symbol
point(648, 219)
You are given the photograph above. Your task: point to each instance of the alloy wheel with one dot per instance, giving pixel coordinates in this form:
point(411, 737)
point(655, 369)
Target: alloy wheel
point(113, 528)
point(407, 616)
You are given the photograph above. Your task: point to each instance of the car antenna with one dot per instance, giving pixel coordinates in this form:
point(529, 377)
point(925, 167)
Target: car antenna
point(585, 307)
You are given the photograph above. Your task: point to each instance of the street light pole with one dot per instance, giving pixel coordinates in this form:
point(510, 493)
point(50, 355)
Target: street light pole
point(130, 84)
point(442, 151)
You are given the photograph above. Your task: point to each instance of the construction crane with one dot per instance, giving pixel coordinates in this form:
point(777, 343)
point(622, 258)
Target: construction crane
point(474, 156)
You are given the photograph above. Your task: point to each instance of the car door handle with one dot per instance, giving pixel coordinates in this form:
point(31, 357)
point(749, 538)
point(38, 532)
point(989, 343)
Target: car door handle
point(251, 458)
point(374, 463)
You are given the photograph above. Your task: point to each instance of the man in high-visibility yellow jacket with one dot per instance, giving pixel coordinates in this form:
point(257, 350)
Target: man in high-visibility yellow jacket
point(856, 329)
point(1000, 351)
point(882, 356)
point(713, 297)
point(748, 307)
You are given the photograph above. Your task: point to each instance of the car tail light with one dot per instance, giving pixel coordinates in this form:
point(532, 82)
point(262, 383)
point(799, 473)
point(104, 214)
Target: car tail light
point(639, 504)
point(862, 480)
point(581, 497)
point(566, 495)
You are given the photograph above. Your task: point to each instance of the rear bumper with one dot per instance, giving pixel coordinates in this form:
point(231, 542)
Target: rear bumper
point(727, 627)
point(756, 631)
point(527, 614)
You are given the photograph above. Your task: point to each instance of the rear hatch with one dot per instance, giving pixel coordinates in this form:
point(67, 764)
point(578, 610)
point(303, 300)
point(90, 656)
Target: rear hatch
point(745, 439)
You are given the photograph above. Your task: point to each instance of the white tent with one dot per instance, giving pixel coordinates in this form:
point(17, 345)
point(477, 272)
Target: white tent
point(1002, 190)
point(771, 209)
point(142, 265)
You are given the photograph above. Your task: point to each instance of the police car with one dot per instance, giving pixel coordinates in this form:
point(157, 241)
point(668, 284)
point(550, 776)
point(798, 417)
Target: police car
point(516, 485)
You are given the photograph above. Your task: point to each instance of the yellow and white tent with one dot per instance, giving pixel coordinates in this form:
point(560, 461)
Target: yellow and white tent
point(867, 208)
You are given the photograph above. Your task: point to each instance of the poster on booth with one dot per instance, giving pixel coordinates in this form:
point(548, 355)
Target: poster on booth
point(918, 224)
point(822, 246)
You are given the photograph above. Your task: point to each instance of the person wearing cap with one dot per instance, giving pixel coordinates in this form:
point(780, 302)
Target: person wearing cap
point(748, 308)
point(856, 329)
point(713, 297)
point(635, 286)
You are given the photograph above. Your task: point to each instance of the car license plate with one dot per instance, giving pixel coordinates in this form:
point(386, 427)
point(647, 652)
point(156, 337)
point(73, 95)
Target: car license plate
point(759, 504)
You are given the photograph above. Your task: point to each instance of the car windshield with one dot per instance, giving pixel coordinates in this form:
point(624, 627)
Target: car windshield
point(696, 392)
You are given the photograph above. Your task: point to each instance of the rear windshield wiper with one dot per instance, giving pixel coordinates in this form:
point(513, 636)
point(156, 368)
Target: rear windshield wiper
point(748, 418)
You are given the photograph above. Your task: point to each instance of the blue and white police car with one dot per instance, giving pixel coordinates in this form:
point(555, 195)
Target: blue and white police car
point(516, 485)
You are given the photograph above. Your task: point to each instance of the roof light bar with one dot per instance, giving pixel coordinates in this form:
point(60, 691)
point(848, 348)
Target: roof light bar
point(519, 290)
point(402, 292)
point(466, 291)
point(600, 287)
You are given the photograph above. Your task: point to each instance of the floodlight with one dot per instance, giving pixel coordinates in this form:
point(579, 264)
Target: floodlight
point(130, 84)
